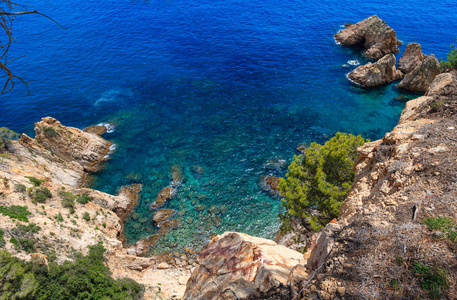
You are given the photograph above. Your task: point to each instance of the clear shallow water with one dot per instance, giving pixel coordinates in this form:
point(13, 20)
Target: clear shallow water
point(229, 86)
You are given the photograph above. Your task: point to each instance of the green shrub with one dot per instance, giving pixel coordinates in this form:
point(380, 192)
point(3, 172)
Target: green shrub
point(15, 281)
point(2, 240)
point(35, 181)
point(317, 184)
point(15, 212)
point(68, 199)
point(39, 194)
point(59, 217)
point(431, 280)
point(444, 224)
point(451, 62)
point(50, 132)
point(83, 199)
point(86, 216)
point(23, 237)
point(6, 136)
point(20, 188)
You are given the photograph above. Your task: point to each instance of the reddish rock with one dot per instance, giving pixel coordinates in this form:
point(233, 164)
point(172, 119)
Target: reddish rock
point(244, 267)
point(164, 195)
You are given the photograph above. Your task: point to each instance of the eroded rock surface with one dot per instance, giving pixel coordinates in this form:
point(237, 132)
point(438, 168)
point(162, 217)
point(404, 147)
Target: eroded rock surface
point(420, 78)
point(68, 143)
point(373, 34)
point(375, 74)
point(238, 266)
point(412, 57)
point(402, 179)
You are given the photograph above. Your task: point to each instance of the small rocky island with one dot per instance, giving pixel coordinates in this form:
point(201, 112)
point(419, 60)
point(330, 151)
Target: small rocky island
point(381, 246)
point(415, 69)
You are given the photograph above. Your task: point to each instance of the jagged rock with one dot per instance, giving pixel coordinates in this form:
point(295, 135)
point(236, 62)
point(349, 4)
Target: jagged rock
point(162, 215)
point(420, 78)
point(164, 195)
point(373, 33)
point(96, 129)
point(412, 57)
point(237, 266)
point(375, 74)
point(444, 85)
point(69, 143)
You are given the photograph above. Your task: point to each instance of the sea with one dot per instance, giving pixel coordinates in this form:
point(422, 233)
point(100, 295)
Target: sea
point(220, 91)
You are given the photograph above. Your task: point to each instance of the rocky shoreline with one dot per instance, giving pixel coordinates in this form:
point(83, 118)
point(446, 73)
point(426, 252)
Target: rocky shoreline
point(402, 179)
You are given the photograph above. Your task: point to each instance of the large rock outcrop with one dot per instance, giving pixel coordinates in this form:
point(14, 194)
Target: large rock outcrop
point(412, 57)
point(420, 78)
point(237, 266)
point(68, 143)
point(373, 34)
point(379, 238)
point(375, 74)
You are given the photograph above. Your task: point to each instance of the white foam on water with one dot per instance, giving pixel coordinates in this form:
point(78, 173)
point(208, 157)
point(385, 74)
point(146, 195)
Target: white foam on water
point(109, 127)
point(113, 95)
point(354, 62)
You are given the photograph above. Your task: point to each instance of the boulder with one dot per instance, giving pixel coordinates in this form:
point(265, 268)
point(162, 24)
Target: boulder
point(420, 78)
point(164, 195)
point(373, 34)
point(162, 215)
point(238, 266)
point(443, 85)
point(412, 57)
point(375, 74)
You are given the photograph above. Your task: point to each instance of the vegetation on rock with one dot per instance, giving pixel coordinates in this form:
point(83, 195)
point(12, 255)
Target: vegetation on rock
point(431, 280)
point(15, 212)
point(6, 136)
point(85, 278)
point(451, 60)
point(318, 182)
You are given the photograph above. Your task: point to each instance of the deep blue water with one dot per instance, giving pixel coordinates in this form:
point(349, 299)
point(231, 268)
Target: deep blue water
point(229, 86)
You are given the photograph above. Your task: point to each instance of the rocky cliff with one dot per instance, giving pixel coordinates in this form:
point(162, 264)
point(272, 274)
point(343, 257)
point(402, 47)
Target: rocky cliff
point(44, 176)
point(380, 247)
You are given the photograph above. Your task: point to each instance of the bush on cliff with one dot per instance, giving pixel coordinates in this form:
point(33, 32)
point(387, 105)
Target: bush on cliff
point(318, 182)
point(6, 136)
point(85, 278)
point(451, 62)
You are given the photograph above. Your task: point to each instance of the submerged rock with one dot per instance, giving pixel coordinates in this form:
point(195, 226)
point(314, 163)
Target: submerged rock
point(412, 57)
point(375, 74)
point(420, 78)
point(162, 215)
point(238, 266)
point(164, 195)
point(373, 33)
point(96, 129)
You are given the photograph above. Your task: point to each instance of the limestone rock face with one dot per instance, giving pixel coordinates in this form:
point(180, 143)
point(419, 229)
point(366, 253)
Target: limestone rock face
point(420, 78)
point(444, 85)
point(96, 129)
point(412, 57)
point(237, 266)
point(375, 74)
point(70, 144)
point(373, 33)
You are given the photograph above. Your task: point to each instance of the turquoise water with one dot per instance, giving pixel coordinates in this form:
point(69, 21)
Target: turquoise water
point(222, 90)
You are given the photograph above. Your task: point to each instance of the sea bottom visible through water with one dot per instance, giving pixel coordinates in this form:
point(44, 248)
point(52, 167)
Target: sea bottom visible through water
point(217, 143)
